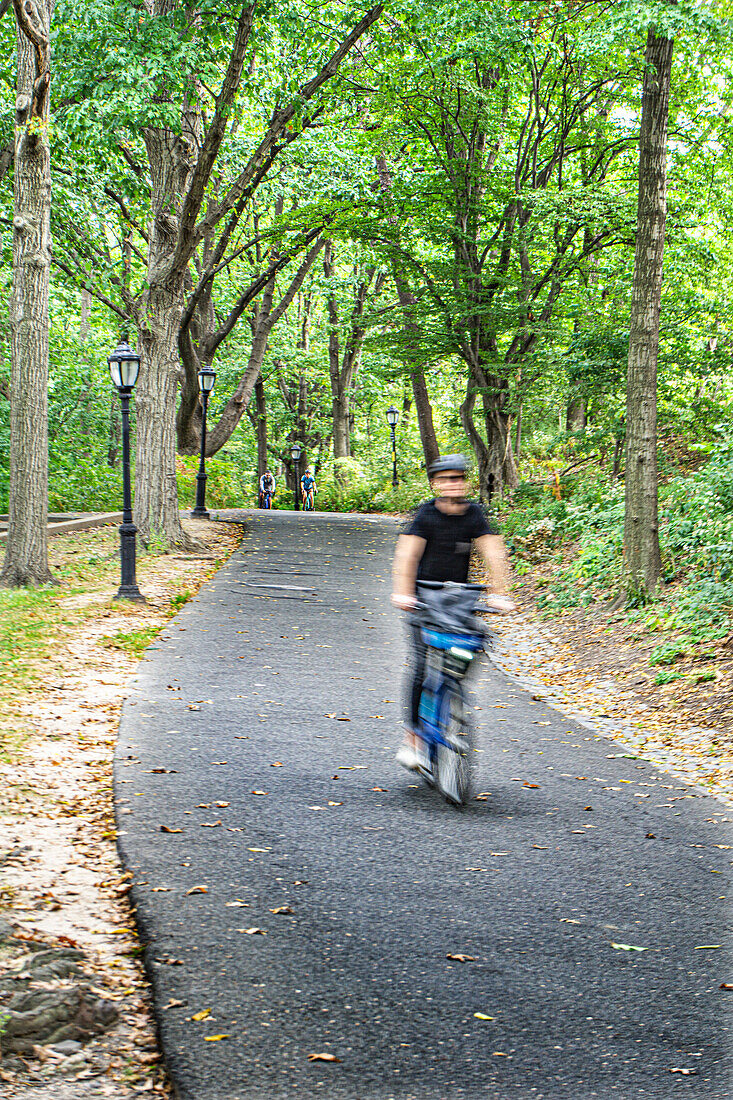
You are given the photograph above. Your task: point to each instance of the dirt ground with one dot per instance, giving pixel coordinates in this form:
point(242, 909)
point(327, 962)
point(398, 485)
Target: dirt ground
point(62, 886)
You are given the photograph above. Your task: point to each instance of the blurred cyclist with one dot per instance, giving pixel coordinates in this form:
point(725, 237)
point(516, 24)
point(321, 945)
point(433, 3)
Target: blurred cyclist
point(436, 546)
point(308, 487)
point(267, 487)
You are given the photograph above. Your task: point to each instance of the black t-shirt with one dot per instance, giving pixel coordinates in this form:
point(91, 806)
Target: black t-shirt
point(448, 538)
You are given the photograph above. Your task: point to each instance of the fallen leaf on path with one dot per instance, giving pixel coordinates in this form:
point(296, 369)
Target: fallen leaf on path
point(708, 947)
point(383, 790)
point(167, 829)
point(462, 958)
point(540, 847)
point(221, 805)
point(568, 920)
point(214, 1038)
point(323, 1058)
point(335, 803)
point(202, 1015)
point(259, 849)
point(218, 763)
point(160, 890)
point(686, 1072)
point(161, 771)
point(343, 719)
point(282, 909)
point(209, 824)
point(252, 931)
point(627, 947)
point(483, 1016)
point(238, 904)
point(258, 792)
point(534, 786)
point(727, 985)
point(173, 1003)
point(197, 890)
point(482, 796)
point(277, 764)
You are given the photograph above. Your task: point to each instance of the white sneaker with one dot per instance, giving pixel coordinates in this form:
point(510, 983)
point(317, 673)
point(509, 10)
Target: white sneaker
point(408, 758)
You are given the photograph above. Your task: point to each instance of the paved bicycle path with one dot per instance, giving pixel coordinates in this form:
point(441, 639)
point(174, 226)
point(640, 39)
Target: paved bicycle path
point(572, 851)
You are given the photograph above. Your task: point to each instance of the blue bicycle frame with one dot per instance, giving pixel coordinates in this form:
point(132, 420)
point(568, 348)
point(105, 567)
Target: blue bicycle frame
point(449, 656)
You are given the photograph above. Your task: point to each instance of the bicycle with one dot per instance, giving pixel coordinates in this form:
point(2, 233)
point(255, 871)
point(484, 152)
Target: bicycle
point(308, 502)
point(445, 738)
point(266, 499)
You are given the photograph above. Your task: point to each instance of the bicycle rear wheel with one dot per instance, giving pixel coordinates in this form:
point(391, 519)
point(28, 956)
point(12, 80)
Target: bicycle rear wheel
point(454, 761)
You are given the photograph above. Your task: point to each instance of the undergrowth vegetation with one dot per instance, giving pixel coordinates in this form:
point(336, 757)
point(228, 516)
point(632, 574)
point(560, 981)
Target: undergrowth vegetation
point(575, 533)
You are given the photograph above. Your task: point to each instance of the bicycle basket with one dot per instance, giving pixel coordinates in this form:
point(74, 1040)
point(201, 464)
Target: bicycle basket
point(449, 610)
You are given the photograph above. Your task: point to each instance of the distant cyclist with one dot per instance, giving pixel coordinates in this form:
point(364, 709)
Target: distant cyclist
point(308, 489)
point(267, 489)
point(436, 546)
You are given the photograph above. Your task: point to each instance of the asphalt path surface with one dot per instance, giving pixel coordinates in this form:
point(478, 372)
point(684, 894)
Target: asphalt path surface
point(305, 892)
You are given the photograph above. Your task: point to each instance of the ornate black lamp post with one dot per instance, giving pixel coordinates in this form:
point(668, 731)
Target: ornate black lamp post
point(392, 418)
point(124, 365)
point(295, 452)
point(207, 378)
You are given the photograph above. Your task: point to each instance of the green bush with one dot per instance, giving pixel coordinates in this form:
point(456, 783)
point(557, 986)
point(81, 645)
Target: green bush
point(225, 485)
point(696, 535)
point(83, 485)
point(347, 473)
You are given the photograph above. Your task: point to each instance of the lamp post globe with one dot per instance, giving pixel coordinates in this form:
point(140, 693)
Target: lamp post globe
point(392, 418)
point(207, 380)
point(295, 452)
point(124, 367)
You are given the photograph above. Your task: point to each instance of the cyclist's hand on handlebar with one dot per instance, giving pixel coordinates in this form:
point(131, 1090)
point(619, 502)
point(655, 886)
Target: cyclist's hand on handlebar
point(405, 603)
point(503, 604)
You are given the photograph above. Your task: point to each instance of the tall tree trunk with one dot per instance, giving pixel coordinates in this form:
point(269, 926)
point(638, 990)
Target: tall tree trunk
point(231, 414)
point(575, 415)
point(340, 413)
point(481, 451)
point(261, 427)
point(641, 527)
point(26, 554)
point(156, 494)
point(497, 423)
point(424, 411)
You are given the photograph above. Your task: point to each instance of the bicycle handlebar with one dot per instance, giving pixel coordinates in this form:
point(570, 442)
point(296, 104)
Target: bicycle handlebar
point(454, 584)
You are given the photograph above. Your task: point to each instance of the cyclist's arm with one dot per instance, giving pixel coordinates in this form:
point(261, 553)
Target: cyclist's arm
point(410, 548)
point(491, 549)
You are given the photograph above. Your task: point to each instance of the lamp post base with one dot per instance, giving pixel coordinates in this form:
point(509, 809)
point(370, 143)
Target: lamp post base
point(130, 592)
point(199, 510)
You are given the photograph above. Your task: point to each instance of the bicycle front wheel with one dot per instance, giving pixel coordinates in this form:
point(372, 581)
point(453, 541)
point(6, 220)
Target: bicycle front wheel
point(454, 760)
